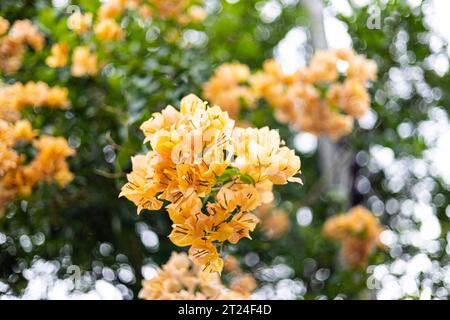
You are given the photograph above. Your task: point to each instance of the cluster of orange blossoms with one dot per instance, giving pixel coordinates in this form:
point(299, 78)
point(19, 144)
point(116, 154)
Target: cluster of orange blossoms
point(16, 96)
point(275, 222)
point(228, 88)
point(13, 42)
point(179, 279)
point(107, 28)
point(84, 62)
point(359, 232)
point(239, 281)
point(211, 173)
point(19, 174)
point(323, 98)
point(183, 11)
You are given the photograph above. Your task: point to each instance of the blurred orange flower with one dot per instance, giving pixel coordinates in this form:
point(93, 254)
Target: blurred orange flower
point(79, 23)
point(83, 62)
point(108, 29)
point(359, 232)
point(59, 56)
point(227, 88)
point(178, 279)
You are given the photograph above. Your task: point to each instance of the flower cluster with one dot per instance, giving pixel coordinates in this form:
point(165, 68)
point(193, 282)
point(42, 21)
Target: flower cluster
point(179, 279)
point(106, 25)
point(79, 22)
point(244, 284)
point(183, 11)
point(211, 174)
point(17, 175)
point(59, 55)
point(229, 89)
point(231, 264)
point(323, 98)
point(18, 172)
point(239, 280)
point(105, 28)
point(84, 62)
point(169, 8)
point(358, 230)
point(275, 222)
point(14, 41)
point(16, 96)
point(280, 90)
point(334, 92)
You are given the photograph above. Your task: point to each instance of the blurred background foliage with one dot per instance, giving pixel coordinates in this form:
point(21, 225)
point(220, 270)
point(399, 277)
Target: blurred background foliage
point(86, 225)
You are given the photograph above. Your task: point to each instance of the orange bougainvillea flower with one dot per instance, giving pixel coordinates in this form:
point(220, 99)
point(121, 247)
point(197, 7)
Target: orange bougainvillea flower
point(59, 56)
point(340, 101)
point(24, 31)
point(8, 157)
point(197, 14)
point(4, 26)
point(180, 279)
point(351, 96)
point(359, 232)
point(13, 43)
point(243, 283)
point(24, 131)
point(169, 8)
point(83, 62)
point(79, 22)
point(14, 97)
point(242, 223)
point(51, 159)
point(274, 221)
point(211, 174)
point(49, 164)
point(279, 89)
point(111, 9)
point(227, 88)
point(108, 29)
point(19, 174)
point(323, 98)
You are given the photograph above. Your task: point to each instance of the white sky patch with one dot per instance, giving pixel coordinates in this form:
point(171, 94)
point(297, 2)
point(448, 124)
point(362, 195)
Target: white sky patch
point(437, 17)
point(43, 283)
point(269, 11)
point(439, 155)
point(369, 120)
point(290, 52)
point(336, 32)
point(304, 216)
point(436, 133)
point(149, 271)
point(305, 142)
point(341, 6)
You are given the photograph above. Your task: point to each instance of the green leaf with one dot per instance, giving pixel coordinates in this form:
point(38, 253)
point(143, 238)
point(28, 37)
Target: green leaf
point(245, 178)
point(231, 173)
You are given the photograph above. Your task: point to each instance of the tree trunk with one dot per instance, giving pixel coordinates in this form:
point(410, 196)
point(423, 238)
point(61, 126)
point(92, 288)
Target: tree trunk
point(335, 158)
